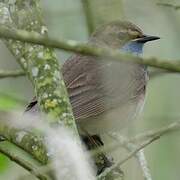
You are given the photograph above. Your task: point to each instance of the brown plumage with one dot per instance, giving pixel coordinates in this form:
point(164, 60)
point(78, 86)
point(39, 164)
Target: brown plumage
point(96, 87)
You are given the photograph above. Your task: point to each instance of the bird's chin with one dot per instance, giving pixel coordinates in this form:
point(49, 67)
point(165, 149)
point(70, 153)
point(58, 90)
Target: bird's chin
point(113, 120)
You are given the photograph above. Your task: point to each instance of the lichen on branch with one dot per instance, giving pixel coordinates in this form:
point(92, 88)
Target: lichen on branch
point(28, 141)
point(41, 66)
point(39, 62)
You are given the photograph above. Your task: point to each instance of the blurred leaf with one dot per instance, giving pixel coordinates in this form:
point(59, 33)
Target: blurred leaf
point(3, 163)
point(9, 102)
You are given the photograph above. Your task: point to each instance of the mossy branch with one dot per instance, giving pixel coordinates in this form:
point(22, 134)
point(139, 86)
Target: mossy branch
point(26, 165)
point(26, 140)
point(41, 66)
point(70, 45)
point(39, 62)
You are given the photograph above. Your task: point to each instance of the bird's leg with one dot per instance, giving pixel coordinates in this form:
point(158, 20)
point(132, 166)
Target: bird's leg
point(101, 160)
point(92, 141)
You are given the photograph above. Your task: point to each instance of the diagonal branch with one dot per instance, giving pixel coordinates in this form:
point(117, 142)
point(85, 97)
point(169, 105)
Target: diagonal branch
point(157, 133)
point(26, 165)
point(107, 172)
point(139, 155)
point(144, 139)
point(27, 141)
point(172, 127)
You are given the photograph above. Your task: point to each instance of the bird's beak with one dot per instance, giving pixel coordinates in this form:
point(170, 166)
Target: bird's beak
point(146, 38)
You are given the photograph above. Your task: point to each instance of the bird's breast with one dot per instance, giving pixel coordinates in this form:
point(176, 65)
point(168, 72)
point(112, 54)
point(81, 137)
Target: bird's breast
point(119, 95)
point(114, 119)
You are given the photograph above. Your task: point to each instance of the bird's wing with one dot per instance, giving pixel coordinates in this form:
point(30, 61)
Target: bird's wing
point(95, 86)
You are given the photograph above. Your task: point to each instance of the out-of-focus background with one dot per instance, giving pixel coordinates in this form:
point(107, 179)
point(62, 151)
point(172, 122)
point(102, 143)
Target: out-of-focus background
point(66, 19)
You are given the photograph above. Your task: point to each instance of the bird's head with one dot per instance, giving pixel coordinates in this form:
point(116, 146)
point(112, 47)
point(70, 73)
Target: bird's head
point(121, 35)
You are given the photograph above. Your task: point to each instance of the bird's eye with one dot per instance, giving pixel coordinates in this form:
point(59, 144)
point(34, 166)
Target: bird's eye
point(134, 33)
point(138, 36)
point(122, 34)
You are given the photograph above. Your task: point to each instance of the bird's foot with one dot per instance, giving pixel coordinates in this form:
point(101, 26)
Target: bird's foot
point(101, 160)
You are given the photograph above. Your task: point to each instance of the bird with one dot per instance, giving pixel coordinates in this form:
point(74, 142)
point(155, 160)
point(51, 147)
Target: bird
point(106, 95)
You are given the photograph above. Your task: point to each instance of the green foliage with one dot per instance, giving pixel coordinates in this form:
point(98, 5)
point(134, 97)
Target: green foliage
point(9, 103)
point(3, 163)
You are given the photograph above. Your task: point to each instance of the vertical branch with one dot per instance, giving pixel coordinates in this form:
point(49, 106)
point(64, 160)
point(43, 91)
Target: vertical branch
point(102, 11)
point(88, 16)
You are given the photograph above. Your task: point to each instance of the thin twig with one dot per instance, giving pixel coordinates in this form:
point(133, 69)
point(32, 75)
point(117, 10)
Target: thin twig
point(173, 127)
point(131, 154)
point(159, 72)
point(139, 155)
point(12, 74)
point(45, 169)
point(26, 165)
point(176, 7)
point(144, 165)
point(146, 138)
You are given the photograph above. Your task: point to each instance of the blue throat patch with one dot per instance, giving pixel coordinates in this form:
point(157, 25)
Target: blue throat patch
point(133, 47)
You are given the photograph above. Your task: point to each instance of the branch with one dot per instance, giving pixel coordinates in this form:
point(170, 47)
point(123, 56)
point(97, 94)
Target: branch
point(101, 12)
point(70, 45)
point(26, 165)
point(88, 15)
point(12, 74)
point(144, 165)
point(110, 170)
point(139, 155)
point(39, 62)
point(27, 141)
point(145, 139)
point(158, 72)
point(173, 127)
point(176, 7)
